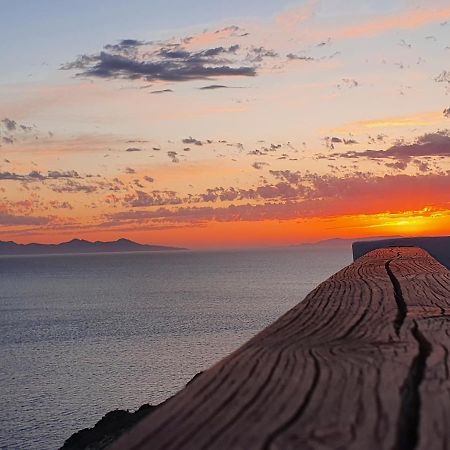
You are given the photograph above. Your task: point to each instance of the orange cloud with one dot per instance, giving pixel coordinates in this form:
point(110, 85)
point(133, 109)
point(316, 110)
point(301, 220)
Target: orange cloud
point(208, 37)
point(404, 21)
point(417, 120)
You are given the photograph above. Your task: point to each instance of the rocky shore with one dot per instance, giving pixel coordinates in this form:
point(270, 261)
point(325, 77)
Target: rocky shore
point(107, 429)
point(110, 427)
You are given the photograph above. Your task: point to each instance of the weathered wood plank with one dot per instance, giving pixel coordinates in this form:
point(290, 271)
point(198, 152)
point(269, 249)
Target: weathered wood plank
point(361, 363)
point(424, 285)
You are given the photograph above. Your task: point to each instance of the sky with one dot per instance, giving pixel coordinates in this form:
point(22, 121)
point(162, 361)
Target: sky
point(213, 124)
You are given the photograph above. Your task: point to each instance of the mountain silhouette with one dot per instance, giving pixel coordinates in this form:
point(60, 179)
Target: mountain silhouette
point(80, 246)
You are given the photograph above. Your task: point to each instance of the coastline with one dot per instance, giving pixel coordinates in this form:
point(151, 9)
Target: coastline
point(111, 426)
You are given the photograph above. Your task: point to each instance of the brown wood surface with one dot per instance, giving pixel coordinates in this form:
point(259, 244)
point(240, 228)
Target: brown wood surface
point(361, 363)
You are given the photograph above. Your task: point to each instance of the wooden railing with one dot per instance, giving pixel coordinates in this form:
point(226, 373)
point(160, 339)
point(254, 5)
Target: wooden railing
point(362, 363)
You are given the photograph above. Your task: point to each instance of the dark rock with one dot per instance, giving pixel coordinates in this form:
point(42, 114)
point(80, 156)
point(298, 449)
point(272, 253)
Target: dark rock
point(107, 429)
point(110, 427)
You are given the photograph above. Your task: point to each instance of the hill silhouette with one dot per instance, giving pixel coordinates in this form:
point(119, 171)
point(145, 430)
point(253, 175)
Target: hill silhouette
point(80, 246)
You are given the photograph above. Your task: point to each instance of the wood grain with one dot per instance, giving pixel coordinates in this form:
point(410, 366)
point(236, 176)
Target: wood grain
point(361, 363)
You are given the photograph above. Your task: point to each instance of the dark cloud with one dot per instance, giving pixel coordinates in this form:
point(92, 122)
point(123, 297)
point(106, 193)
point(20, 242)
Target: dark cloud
point(149, 179)
point(294, 57)
point(397, 165)
point(287, 175)
point(60, 205)
point(54, 174)
point(133, 149)
point(71, 186)
point(34, 175)
point(213, 87)
point(11, 176)
point(428, 145)
point(348, 83)
point(192, 141)
point(125, 45)
point(153, 198)
point(257, 54)
point(161, 63)
point(259, 165)
point(443, 77)
point(12, 130)
point(173, 156)
point(162, 91)
point(9, 124)
point(446, 112)
point(331, 140)
point(7, 219)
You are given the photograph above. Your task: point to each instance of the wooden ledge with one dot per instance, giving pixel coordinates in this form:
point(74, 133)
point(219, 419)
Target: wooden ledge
point(362, 363)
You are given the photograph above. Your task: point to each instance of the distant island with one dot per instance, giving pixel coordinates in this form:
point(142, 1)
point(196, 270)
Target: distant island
point(80, 246)
point(339, 243)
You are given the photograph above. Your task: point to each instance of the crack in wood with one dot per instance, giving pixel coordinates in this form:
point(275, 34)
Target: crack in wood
point(398, 294)
point(410, 407)
point(411, 402)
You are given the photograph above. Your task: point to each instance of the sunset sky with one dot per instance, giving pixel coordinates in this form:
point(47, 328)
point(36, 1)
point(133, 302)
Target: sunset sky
point(223, 124)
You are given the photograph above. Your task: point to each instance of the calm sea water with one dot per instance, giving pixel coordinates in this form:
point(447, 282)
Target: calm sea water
point(85, 334)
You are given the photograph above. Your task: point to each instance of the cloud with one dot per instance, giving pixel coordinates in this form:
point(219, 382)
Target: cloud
point(259, 165)
point(418, 120)
point(446, 112)
point(54, 174)
point(133, 149)
point(9, 124)
point(430, 144)
point(34, 175)
point(12, 129)
point(211, 37)
point(12, 176)
point(257, 54)
point(173, 156)
point(17, 220)
point(71, 187)
point(405, 20)
point(294, 57)
point(161, 91)
point(60, 205)
point(443, 77)
point(162, 62)
point(330, 141)
point(347, 83)
point(126, 45)
point(317, 196)
point(213, 87)
point(192, 141)
point(153, 198)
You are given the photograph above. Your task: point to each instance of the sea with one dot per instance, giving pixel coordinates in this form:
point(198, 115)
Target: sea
point(81, 335)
